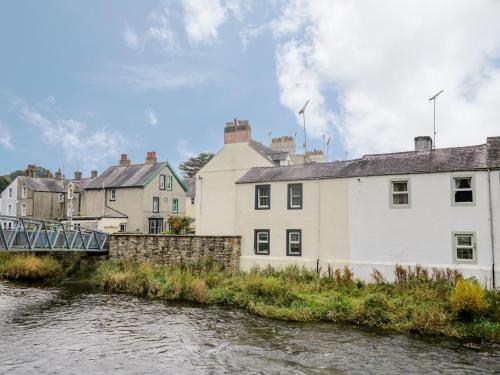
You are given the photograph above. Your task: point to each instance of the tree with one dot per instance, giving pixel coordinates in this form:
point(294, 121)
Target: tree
point(195, 163)
point(4, 182)
point(179, 224)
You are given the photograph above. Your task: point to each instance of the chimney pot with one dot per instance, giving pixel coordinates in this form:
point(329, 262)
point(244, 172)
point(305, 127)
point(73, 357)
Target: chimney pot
point(151, 158)
point(93, 174)
point(58, 175)
point(124, 161)
point(78, 176)
point(423, 143)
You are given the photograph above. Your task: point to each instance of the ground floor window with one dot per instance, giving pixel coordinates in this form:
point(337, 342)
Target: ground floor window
point(294, 242)
point(123, 227)
point(464, 247)
point(261, 241)
point(155, 226)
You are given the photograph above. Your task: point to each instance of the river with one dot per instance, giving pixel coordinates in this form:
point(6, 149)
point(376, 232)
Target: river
point(69, 331)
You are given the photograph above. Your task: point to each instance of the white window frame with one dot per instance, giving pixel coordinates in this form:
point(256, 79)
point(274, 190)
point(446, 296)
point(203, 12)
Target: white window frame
point(175, 206)
point(70, 193)
point(259, 195)
point(24, 191)
point(290, 194)
point(454, 190)
point(289, 242)
point(112, 195)
point(123, 227)
point(456, 246)
point(163, 179)
point(258, 240)
point(23, 209)
point(156, 204)
point(61, 198)
point(392, 193)
point(169, 183)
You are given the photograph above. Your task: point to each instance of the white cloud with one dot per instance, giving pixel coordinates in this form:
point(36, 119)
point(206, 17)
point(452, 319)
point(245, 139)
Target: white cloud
point(369, 68)
point(152, 77)
point(130, 37)
point(202, 19)
point(5, 137)
point(75, 140)
point(184, 150)
point(151, 117)
point(161, 31)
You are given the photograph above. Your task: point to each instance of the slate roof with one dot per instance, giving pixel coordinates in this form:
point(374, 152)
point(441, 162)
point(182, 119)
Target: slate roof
point(135, 175)
point(45, 184)
point(275, 156)
point(191, 184)
point(440, 160)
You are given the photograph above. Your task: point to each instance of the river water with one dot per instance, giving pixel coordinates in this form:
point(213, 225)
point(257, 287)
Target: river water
point(69, 331)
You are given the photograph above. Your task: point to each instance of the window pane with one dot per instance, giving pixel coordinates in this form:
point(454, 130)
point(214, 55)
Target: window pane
point(294, 248)
point(464, 240)
point(465, 253)
point(400, 186)
point(400, 198)
point(294, 237)
point(295, 201)
point(463, 183)
point(463, 196)
point(295, 190)
point(262, 236)
point(264, 202)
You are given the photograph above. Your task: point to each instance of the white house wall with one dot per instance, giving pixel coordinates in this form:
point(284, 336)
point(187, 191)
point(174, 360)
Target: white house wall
point(12, 201)
point(215, 188)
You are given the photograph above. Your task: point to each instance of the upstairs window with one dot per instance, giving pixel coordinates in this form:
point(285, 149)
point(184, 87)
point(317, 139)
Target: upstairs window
point(10, 192)
point(463, 190)
point(261, 241)
point(162, 181)
point(156, 204)
point(192, 200)
point(464, 247)
point(294, 196)
point(262, 197)
point(400, 194)
point(112, 196)
point(23, 209)
point(9, 210)
point(24, 192)
point(169, 183)
point(175, 206)
point(70, 193)
point(294, 242)
point(61, 197)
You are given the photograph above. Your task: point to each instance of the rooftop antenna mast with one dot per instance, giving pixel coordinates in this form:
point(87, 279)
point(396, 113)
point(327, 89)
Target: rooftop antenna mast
point(303, 113)
point(270, 139)
point(433, 99)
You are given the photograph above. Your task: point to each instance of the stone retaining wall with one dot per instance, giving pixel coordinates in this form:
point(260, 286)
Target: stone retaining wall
point(177, 250)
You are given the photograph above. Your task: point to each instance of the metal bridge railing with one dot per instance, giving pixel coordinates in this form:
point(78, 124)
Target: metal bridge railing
point(27, 234)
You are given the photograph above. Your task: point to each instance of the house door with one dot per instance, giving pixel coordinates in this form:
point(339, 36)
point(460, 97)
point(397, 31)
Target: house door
point(155, 226)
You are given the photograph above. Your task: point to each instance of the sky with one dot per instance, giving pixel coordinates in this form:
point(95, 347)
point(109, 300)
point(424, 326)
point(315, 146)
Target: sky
point(83, 81)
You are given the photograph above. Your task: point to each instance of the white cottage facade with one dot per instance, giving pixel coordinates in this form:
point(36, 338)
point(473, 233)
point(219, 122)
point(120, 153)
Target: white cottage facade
point(439, 208)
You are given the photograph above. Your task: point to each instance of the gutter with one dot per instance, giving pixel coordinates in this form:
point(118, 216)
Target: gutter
point(492, 237)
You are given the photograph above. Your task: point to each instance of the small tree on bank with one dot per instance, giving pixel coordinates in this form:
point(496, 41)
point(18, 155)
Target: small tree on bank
point(195, 163)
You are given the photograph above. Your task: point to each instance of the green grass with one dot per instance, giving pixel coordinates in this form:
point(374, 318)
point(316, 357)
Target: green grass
point(413, 304)
point(28, 267)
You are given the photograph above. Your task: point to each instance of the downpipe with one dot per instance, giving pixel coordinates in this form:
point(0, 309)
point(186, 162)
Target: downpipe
point(492, 236)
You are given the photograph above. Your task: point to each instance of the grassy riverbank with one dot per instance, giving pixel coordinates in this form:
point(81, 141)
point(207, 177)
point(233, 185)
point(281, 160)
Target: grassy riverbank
point(440, 303)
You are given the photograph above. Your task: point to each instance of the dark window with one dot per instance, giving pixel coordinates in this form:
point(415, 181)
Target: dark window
point(156, 204)
point(162, 181)
point(112, 196)
point(294, 196)
point(294, 242)
point(462, 190)
point(261, 241)
point(155, 226)
point(192, 200)
point(262, 197)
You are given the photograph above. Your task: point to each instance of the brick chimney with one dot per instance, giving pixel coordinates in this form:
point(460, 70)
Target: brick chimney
point(93, 174)
point(30, 171)
point(238, 131)
point(285, 143)
point(58, 175)
point(78, 176)
point(124, 162)
point(151, 157)
point(423, 143)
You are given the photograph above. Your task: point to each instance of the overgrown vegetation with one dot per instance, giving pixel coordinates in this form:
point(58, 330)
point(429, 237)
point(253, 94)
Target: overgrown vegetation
point(28, 267)
point(440, 302)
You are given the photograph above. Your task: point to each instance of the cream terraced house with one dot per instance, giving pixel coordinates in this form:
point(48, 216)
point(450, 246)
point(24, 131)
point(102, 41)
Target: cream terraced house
point(133, 198)
point(439, 208)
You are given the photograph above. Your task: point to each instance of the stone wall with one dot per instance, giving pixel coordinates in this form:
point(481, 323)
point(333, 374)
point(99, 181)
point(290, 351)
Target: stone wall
point(177, 250)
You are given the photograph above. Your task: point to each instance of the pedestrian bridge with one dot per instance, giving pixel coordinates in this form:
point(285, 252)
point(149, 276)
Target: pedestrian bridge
point(27, 234)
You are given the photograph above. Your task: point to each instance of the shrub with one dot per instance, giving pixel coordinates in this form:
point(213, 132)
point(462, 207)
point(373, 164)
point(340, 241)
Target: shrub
point(374, 310)
point(428, 318)
point(341, 308)
point(468, 299)
point(28, 267)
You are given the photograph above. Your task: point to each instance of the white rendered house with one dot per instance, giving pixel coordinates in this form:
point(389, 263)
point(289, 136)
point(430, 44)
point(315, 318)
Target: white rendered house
point(439, 208)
